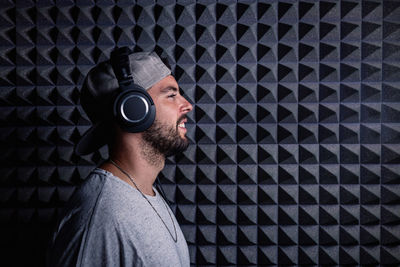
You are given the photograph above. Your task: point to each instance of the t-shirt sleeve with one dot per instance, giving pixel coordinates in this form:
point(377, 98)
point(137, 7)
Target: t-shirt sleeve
point(107, 244)
point(104, 243)
point(92, 234)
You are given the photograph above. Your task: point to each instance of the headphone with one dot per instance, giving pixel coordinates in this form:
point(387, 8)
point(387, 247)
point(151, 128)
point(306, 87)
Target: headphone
point(133, 107)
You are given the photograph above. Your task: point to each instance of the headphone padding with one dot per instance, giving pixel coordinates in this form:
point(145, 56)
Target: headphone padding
point(123, 109)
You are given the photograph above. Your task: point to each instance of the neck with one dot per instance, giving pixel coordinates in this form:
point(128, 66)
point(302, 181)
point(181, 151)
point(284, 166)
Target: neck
point(138, 160)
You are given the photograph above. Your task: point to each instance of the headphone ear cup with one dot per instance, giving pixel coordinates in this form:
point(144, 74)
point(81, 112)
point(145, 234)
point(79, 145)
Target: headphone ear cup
point(134, 109)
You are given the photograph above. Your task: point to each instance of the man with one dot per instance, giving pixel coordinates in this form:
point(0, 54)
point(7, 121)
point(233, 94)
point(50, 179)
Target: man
point(117, 217)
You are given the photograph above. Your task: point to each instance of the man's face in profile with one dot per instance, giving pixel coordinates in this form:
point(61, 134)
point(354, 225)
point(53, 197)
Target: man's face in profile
point(168, 132)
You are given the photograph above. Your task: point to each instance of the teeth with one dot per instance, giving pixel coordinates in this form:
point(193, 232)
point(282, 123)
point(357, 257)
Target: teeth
point(182, 125)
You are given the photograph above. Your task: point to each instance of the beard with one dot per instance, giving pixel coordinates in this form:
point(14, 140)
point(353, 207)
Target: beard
point(165, 139)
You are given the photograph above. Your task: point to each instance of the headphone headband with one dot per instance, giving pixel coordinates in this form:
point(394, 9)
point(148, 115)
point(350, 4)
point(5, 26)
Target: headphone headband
point(120, 64)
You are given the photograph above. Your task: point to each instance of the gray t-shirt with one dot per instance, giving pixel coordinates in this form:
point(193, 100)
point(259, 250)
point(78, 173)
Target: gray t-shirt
point(109, 223)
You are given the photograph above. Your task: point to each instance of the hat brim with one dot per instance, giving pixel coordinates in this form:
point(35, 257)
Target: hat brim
point(94, 138)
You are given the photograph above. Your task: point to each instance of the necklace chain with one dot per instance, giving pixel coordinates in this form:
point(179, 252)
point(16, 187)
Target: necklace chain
point(144, 196)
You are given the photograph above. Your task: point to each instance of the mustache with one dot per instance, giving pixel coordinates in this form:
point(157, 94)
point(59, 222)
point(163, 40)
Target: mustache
point(181, 118)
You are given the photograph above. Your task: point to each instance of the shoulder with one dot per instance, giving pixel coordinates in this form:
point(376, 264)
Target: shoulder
point(99, 185)
point(116, 195)
point(87, 194)
point(98, 198)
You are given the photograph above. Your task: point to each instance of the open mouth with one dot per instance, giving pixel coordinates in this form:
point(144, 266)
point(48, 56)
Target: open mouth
point(182, 120)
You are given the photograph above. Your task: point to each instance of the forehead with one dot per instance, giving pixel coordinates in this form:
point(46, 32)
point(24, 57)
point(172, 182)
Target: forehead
point(165, 83)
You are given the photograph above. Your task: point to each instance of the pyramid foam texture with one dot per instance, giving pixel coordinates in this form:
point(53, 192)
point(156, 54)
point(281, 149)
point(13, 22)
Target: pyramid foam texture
point(295, 131)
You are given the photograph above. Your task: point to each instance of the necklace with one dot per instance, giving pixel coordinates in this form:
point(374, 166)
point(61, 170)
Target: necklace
point(144, 196)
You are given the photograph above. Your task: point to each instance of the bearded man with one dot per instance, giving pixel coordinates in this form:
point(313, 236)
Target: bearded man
point(117, 217)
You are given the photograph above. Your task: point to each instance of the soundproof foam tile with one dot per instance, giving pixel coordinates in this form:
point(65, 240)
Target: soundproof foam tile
point(308, 216)
point(338, 60)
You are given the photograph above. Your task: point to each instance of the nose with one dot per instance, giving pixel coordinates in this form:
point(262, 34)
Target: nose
point(186, 106)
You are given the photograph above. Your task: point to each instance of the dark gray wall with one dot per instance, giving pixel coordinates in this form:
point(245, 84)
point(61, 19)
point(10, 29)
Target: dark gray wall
point(295, 130)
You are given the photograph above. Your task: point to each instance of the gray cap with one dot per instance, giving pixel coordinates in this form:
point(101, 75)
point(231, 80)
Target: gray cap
point(99, 90)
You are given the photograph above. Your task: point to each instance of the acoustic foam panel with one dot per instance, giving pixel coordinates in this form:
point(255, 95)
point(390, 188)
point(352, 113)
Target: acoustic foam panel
point(294, 155)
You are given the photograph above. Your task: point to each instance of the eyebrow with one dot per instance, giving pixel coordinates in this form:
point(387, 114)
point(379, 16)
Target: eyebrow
point(169, 88)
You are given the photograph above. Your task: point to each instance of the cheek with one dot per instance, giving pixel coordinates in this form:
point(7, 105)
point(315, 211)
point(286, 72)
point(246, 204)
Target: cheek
point(165, 115)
